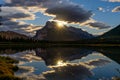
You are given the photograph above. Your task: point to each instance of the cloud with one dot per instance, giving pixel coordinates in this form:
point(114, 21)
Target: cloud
point(14, 24)
point(16, 13)
point(27, 32)
point(98, 25)
point(20, 16)
point(31, 28)
point(19, 27)
point(70, 13)
point(7, 1)
point(116, 9)
point(114, 0)
point(100, 8)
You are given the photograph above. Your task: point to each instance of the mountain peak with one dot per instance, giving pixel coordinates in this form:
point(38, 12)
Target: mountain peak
point(51, 24)
point(55, 25)
point(55, 31)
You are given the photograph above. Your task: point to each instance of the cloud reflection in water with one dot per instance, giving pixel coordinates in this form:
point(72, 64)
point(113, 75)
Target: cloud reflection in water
point(74, 71)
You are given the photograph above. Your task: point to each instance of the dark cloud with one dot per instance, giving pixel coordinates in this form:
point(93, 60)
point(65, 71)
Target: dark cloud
point(9, 23)
point(32, 3)
point(16, 13)
point(10, 26)
point(70, 13)
point(23, 2)
point(18, 16)
point(98, 25)
point(116, 9)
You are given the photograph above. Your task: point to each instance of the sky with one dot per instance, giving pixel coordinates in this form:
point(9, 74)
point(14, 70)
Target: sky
point(27, 16)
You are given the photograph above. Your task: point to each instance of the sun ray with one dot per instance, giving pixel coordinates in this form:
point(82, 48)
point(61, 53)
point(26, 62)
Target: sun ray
point(60, 63)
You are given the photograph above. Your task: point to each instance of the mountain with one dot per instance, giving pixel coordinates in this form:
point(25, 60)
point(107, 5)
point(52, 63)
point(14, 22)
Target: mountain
point(54, 32)
point(12, 35)
point(112, 34)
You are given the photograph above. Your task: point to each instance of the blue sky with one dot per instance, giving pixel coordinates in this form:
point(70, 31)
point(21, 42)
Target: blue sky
point(108, 16)
point(105, 15)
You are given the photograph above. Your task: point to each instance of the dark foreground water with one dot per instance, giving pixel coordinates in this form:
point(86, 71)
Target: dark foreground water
point(66, 63)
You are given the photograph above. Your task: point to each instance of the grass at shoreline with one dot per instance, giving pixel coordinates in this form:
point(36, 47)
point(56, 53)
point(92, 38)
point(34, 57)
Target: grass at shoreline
point(7, 68)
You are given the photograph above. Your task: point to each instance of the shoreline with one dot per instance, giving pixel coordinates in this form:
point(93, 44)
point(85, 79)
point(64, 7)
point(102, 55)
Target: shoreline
point(58, 45)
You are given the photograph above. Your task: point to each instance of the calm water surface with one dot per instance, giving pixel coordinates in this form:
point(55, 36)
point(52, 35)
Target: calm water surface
point(66, 63)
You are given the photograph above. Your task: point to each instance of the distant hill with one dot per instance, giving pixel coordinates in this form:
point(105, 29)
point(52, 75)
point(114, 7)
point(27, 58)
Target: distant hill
point(12, 35)
point(112, 34)
point(54, 32)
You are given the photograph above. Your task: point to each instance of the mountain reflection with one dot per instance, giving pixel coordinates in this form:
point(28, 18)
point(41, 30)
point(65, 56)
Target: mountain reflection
point(111, 52)
point(52, 55)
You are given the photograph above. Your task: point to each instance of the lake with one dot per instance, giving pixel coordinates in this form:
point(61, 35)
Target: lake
point(66, 63)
